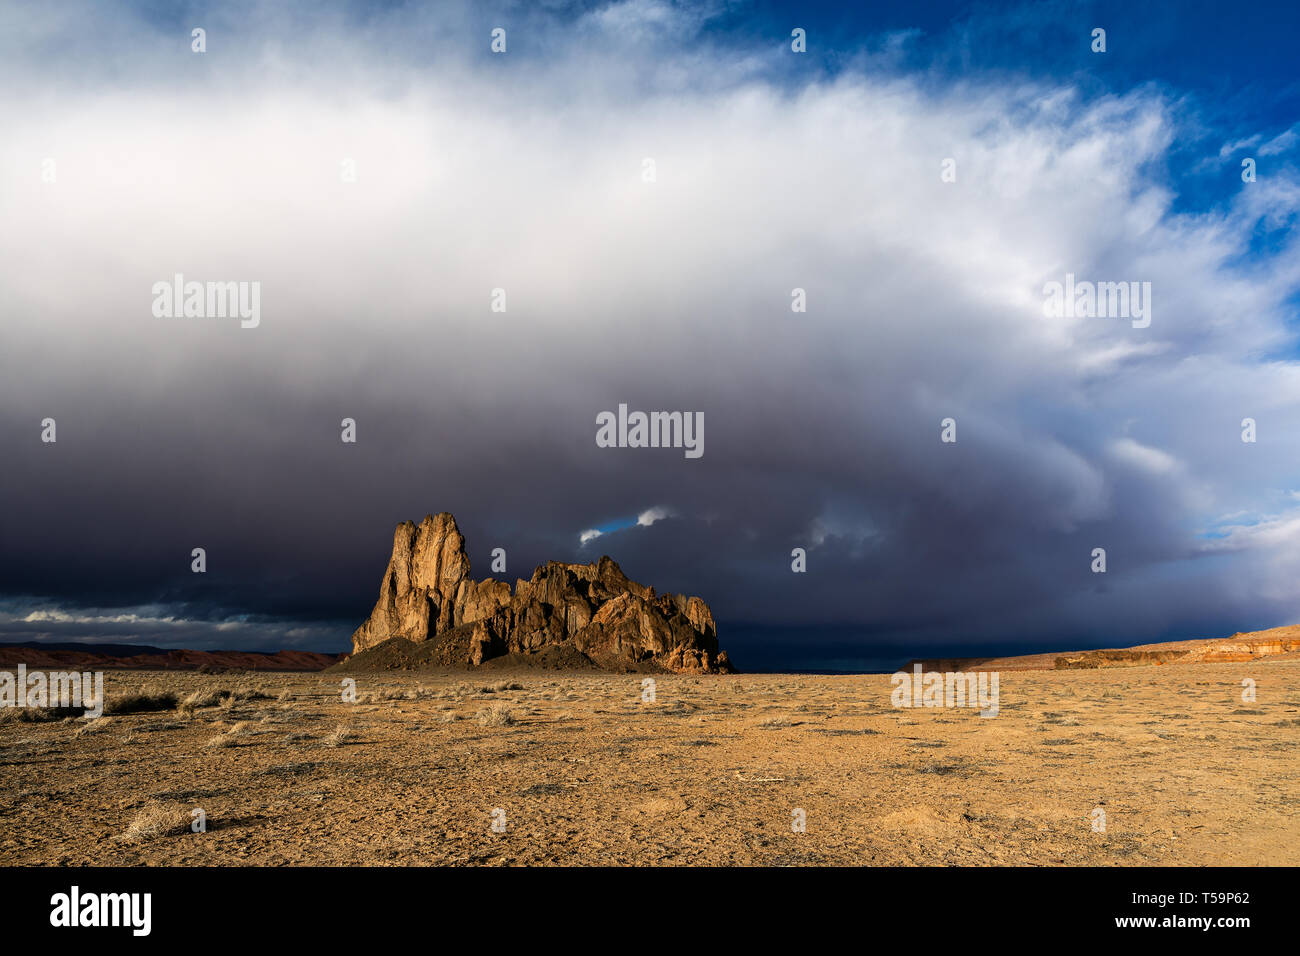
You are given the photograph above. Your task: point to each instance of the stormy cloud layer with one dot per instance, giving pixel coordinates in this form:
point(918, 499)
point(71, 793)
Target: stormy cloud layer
point(524, 172)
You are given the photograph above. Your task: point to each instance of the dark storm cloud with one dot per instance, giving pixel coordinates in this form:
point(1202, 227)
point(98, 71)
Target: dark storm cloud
point(821, 428)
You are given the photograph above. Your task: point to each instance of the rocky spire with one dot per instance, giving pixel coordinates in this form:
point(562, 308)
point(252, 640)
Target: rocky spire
point(427, 593)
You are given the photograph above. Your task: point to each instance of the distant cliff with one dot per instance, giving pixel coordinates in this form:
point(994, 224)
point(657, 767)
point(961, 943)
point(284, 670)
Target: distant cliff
point(98, 657)
point(1242, 647)
point(591, 609)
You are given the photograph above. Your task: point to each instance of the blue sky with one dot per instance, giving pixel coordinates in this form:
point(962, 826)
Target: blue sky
point(1235, 64)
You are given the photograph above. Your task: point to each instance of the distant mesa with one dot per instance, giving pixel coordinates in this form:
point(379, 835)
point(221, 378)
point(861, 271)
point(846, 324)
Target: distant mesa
point(1240, 648)
point(98, 657)
point(565, 615)
point(1279, 643)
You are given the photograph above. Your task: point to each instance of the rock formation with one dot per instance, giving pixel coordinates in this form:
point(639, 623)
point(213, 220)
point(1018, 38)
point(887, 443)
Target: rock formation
point(427, 594)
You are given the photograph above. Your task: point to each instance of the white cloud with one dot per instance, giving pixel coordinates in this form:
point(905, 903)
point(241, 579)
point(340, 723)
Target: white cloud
point(1281, 143)
point(1149, 459)
point(648, 517)
point(1227, 149)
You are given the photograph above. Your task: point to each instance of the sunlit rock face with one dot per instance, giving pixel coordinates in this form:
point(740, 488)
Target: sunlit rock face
point(427, 594)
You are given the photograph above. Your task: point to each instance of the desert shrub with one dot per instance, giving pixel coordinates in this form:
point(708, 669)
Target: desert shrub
point(37, 715)
point(498, 715)
point(141, 702)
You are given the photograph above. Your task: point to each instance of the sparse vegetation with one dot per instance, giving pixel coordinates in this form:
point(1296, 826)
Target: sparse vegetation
point(930, 786)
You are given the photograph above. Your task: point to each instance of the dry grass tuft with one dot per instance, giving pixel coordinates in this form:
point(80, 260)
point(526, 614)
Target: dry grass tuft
point(157, 820)
point(251, 693)
point(197, 700)
point(341, 735)
point(97, 726)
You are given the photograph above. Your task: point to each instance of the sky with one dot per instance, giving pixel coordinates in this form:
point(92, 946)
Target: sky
point(922, 172)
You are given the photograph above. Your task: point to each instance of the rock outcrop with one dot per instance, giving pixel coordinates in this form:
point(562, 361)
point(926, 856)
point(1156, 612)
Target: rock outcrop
point(427, 595)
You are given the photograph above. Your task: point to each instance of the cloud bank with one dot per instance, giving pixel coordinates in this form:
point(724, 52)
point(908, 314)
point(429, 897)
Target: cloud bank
point(525, 172)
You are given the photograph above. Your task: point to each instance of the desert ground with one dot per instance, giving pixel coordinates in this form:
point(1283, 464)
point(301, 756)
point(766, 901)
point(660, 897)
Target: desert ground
point(578, 769)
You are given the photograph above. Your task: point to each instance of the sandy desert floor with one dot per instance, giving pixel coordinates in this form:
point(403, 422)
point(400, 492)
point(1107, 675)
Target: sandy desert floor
point(578, 770)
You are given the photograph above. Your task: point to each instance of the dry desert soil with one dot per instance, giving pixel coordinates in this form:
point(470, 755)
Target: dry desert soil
point(578, 769)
